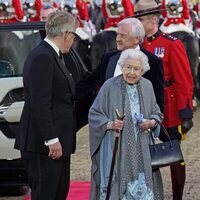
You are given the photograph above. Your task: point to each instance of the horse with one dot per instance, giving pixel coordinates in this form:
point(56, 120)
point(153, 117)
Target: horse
point(103, 42)
point(83, 48)
point(97, 18)
point(91, 52)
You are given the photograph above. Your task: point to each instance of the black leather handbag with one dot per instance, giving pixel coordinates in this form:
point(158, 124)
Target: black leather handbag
point(165, 153)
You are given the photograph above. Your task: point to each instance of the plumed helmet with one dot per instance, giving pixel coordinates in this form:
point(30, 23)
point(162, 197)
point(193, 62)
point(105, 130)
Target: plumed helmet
point(114, 7)
point(174, 7)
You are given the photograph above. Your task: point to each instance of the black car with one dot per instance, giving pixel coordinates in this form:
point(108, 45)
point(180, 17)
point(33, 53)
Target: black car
point(16, 41)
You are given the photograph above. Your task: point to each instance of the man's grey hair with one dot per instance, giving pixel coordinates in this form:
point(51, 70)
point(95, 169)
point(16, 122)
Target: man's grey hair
point(60, 22)
point(137, 29)
point(134, 54)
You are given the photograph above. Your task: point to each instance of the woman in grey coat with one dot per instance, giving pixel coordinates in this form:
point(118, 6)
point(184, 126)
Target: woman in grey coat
point(133, 96)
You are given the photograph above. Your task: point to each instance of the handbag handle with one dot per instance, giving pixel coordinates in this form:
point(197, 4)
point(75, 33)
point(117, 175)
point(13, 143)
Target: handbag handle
point(164, 130)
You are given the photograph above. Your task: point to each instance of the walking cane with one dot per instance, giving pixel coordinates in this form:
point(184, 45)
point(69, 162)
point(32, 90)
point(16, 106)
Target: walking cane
point(117, 135)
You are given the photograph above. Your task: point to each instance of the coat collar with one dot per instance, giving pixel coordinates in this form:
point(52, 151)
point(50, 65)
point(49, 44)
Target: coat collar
point(112, 65)
point(153, 37)
point(62, 66)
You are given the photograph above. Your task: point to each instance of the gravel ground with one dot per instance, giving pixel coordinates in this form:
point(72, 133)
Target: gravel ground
point(80, 167)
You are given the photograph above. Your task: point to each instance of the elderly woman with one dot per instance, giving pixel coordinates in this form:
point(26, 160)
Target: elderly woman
point(133, 96)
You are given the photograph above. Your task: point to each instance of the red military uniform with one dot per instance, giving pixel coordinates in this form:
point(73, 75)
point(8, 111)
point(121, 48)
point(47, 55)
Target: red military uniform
point(83, 12)
point(14, 12)
point(85, 22)
point(18, 10)
point(112, 20)
point(33, 12)
point(38, 7)
point(179, 82)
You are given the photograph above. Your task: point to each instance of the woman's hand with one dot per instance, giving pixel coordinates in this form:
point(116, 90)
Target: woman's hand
point(116, 125)
point(147, 124)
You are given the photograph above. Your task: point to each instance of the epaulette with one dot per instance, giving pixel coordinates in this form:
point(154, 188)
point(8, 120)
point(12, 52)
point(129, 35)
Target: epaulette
point(170, 37)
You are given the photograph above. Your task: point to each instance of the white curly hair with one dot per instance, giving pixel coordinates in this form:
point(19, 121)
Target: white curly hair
point(134, 54)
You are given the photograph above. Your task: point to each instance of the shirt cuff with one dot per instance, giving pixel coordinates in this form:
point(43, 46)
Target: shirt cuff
point(52, 141)
point(109, 125)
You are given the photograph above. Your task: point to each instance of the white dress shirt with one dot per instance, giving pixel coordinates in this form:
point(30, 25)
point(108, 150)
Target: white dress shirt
point(52, 141)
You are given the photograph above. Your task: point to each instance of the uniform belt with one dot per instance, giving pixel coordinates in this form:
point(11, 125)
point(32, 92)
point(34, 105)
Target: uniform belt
point(169, 82)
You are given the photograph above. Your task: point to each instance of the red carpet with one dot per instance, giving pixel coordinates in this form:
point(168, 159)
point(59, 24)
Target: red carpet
point(77, 191)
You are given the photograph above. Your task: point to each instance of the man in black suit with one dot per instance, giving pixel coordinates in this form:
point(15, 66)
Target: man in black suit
point(47, 134)
point(130, 34)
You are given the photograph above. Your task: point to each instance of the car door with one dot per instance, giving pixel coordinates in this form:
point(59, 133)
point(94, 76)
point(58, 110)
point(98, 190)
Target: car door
point(16, 41)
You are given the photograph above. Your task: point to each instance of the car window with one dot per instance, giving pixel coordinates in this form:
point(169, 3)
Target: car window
point(14, 48)
point(16, 41)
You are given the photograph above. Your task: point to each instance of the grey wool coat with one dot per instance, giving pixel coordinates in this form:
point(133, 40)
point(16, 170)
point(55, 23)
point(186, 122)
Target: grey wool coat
point(109, 98)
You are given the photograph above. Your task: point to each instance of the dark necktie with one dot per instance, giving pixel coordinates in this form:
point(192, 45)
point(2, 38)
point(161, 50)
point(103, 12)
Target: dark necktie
point(67, 73)
point(61, 57)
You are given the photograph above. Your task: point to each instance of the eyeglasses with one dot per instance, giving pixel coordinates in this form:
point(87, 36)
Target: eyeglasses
point(129, 68)
point(75, 36)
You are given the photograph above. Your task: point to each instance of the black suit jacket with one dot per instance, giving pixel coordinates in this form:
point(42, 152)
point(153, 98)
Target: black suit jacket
point(155, 74)
point(49, 103)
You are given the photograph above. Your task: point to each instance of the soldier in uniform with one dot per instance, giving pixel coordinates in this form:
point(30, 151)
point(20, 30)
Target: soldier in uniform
point(176, 16)
point(32, 9)
point(83, 14)
point(69, 6)
point(178, 111)
point(48, 7)
point(116, 10)
point(79, 9)
point(11, 11)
